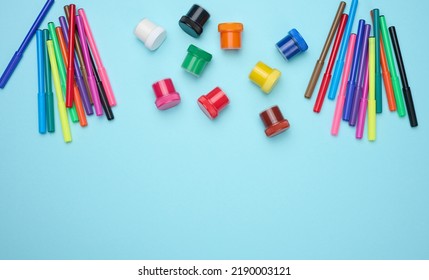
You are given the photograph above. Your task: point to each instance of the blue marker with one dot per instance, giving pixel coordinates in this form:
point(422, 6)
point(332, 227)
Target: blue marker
point(363, 64)
point(354, 72)
point(41, 96)
point(342, 55)
point(16, 58)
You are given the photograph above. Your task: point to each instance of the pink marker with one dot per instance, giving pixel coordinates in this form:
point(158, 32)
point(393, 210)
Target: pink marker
point(101, 70)
point(342, 95)
point(87, 60)
point(363, 105)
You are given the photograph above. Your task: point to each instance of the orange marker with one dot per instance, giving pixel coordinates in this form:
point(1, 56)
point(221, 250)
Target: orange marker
point(386, 75)
point(386, 78)
point(76, 95)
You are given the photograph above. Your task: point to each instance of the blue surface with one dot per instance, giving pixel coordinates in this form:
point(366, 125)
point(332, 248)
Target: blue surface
point(175, 185)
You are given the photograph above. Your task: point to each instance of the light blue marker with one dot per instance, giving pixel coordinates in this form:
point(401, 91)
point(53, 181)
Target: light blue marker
point(341, 57)
point(41, 96)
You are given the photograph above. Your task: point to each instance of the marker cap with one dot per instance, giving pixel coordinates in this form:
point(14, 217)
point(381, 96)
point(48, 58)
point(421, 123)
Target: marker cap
point(274, 121)
point(150, 34)
point(166, 95)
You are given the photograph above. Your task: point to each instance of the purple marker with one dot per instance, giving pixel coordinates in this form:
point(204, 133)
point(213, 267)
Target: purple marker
point(86, 58)
point(353, 72)
point(363, 64)
point(363, 106)
point(78, 75)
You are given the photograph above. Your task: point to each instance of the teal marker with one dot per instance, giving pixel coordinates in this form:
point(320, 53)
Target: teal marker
point(61, 68)
point(41, 95)
point(400, 106)
point(378, 97)
point(50, 113)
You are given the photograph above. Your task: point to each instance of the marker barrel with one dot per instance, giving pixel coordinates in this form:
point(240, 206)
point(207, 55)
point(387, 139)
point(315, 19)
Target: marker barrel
point(338, 69)
point(20, 52)
point(351, 86)
point(41, 100)
point(328, 74)
point(101, 70)
point(342, 96)
point(400, 106)
point(319, 63)
point(405, 87)
point(50, 113)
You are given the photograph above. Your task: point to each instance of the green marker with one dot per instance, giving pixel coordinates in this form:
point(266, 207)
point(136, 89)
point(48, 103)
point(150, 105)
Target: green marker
point(394, 76)
point(61, 69)
point(378, 96)
point(48, 84)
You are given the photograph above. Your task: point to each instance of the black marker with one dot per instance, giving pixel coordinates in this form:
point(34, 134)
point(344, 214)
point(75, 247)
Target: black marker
point(405, 87)
point(103, 98)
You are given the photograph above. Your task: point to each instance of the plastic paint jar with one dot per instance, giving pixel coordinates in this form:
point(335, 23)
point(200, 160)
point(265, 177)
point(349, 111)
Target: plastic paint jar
point(213, 102)
point(274, 121)
point(292, 45)
point(196, 60)
point(192, 23)
point(264, 76)
point(150, 34)
point(230, 35)
point(166, 95)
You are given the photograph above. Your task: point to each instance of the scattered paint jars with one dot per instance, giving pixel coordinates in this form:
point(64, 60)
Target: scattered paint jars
point(150, 34)
point(196, 60)
point(192, 23)
point(230, 35)
point(264, 76)
point(213, 102)
point(166, 95)
point(292, 45)
point(274, 121)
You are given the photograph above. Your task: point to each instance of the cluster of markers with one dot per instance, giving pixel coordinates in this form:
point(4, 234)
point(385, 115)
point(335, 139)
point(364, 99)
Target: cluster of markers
point(363, 61)
point(197, 59)
point(71, 59)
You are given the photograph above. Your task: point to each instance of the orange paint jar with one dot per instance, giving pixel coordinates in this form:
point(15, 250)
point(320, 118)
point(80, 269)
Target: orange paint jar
point(230, 35)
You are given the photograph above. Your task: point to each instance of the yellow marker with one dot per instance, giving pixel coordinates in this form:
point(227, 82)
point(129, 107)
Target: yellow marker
point(59, 93)
point(371, 94)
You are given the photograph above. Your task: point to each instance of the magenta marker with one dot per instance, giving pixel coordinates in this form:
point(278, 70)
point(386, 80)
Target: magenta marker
point(87, 59)
point(101, 70)
point(343, 87)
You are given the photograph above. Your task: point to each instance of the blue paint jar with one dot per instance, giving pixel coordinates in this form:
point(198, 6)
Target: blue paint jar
point(292, 44)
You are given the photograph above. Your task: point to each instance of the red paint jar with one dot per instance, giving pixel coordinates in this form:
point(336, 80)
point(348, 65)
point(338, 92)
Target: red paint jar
point(274, 121)
point(213, 102)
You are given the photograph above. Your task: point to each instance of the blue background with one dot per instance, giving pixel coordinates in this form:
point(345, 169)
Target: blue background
point(175, 185)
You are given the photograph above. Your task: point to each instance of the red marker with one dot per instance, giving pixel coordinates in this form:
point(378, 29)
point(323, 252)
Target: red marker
point(328, 74)
point(70, 70)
